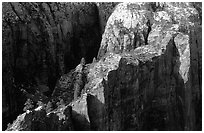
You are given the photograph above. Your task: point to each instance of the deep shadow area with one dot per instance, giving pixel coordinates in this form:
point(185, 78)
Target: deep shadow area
point(165, 110)
point(96, 112)
point(85, 37)
point(41, 42)
point(80, 123)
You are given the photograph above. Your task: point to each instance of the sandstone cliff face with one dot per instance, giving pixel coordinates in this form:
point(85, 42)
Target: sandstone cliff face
point(147, 77)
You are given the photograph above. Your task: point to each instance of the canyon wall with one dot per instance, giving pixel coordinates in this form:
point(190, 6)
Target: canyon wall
point(147, 75)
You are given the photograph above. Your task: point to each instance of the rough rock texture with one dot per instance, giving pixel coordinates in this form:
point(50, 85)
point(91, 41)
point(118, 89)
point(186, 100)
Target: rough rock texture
point(69, 86)
point(39, 120)
point(127, 28)
point(105, 10)
point(147, 78)
point(129, 25)
point(60, 112)
point(42, 41)
point(151, 87)
point(80, 115)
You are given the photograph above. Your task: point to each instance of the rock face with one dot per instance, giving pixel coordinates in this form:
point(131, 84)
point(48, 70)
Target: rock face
point(127, 28)
point(38, 120)
point(42, 41)
point(105, 10)
point(51, 39)
point(150, 87)
point(148, 73)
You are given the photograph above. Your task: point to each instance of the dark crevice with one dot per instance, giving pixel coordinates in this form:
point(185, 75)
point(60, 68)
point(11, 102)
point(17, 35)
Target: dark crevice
point(156, 6)
point(95, 112)
point(148, 31)
point(80, 123)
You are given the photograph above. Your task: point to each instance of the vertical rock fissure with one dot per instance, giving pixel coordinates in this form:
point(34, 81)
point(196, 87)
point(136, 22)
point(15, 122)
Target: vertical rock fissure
point(148, 31)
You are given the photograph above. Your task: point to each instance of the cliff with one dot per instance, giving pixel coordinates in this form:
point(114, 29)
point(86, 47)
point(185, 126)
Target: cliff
point(41, 42)
point(147, 76)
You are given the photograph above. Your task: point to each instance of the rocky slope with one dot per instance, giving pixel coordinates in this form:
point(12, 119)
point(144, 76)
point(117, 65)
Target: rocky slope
point(147, 76)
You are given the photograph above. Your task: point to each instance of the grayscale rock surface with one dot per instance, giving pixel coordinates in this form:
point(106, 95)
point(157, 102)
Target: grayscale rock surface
point(147, 75)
